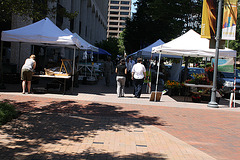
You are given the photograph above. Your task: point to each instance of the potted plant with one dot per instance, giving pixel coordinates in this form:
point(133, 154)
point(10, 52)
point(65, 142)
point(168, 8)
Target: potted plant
point(198, 79)
point(209, 71)
point(173, 87)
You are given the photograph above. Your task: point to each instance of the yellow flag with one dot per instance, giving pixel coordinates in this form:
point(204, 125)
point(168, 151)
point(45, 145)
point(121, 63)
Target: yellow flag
point(208, 27)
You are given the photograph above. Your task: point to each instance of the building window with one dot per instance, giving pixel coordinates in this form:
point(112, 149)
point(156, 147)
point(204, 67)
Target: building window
point(80, 27)
point(114, 7)
point(113, 18)
point(122, 23)
point(113, 23)
point(71, 25)
point(114, 12)
point(124, 13)
point(59, 17)
point(112, 34)
point(123, 18)
point(114, 2)
point(121, 29)
point(124, 8)
point(125, 2)
point(113, 28)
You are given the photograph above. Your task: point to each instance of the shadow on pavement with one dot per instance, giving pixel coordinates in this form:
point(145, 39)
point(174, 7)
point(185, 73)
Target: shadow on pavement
point(88, 155)
point(60, 121)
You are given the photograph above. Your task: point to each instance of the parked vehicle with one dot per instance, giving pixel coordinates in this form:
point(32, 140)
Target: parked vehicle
point(191, 71)
point(226, 82)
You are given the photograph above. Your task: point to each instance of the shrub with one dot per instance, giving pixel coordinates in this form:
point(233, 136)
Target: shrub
point(173, 84)
point(7, 112)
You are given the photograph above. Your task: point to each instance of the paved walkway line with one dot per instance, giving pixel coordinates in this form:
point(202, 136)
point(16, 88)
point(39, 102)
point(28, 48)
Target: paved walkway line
point(166, 101)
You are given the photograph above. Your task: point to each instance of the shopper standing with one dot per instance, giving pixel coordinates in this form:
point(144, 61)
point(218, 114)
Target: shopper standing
point(27, 72)
point(138, 75)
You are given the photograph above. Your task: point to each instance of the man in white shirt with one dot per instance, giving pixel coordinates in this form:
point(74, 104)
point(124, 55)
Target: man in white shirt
point(138, 76)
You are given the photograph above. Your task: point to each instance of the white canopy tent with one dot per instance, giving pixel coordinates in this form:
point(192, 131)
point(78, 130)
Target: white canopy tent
point(43, 32)
point(85, 44)
point(190, 44)
point(87, 47)
point(79, 40)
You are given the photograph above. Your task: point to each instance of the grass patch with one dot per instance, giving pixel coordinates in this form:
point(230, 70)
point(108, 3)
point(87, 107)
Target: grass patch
point(7, 112)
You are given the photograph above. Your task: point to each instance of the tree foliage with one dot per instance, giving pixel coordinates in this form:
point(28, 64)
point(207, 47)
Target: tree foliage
point(35, 9)
point(111, 45)
point(160, 19)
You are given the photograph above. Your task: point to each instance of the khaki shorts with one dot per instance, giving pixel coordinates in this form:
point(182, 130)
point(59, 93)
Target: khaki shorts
point(26, 75)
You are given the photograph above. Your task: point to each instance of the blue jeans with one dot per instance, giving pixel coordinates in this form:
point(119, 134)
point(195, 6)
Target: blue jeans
point(138, 83)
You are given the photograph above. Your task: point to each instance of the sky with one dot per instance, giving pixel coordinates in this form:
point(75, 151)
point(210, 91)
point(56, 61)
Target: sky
point(133, 9)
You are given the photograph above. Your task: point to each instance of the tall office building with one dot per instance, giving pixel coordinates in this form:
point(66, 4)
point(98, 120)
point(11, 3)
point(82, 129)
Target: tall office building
point(118, 12)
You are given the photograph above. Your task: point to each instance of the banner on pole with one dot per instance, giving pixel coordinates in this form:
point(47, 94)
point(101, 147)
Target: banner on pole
point(229, 20)
point(225, 65)
point(208, 26)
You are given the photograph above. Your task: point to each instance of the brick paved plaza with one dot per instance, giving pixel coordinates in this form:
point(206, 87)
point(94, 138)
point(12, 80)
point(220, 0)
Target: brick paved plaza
point(92, 123)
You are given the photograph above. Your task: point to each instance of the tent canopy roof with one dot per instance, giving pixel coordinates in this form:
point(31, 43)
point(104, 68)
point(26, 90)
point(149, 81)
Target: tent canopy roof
point(147, 51)
point(81, 43)
point(41, 32)
point(102, 52)
point(191, 44)
point(85, 44)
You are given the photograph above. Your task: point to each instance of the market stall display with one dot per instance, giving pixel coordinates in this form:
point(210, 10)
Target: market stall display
point(45, 33)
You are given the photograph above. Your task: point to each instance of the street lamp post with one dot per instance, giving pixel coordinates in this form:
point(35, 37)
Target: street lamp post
point(213, 102)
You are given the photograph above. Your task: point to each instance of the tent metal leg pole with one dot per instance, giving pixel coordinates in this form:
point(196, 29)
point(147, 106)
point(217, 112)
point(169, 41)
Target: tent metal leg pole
point(159, 59)
point(19, 53)
point(2, 86)
point(234, 89)
point(74, 52)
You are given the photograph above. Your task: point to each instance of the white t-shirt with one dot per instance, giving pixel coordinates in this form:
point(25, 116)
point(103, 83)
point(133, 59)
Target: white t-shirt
point(28, 64)
point(138, 70)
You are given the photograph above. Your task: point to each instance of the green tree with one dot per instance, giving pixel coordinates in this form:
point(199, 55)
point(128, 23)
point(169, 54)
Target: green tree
point(160, 19)
point(111, 45)
point(121, 43)
point(35, 9)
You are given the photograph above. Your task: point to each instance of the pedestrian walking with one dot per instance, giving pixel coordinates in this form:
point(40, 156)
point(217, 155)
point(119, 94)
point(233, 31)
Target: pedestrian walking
point(121, 71)
point(132, 61)
point(27, 72)
point(128, 76)
point(108, 70)
point(138, 76)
